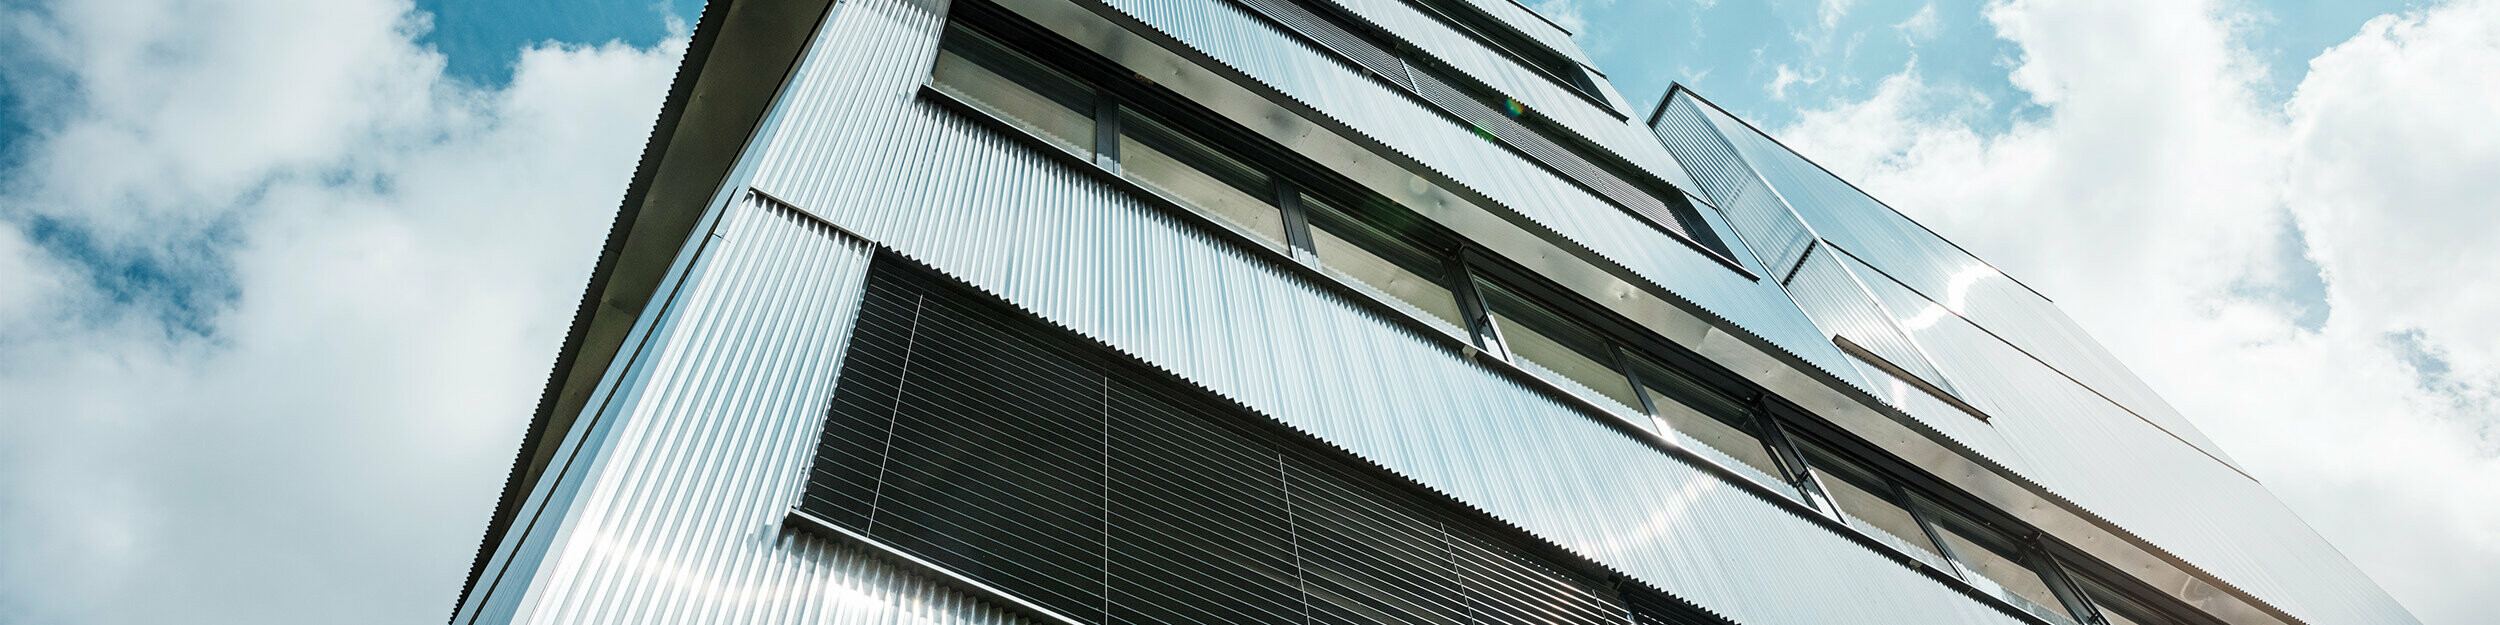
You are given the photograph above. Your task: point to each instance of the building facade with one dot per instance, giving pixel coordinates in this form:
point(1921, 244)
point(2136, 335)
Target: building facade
point(1319, 311)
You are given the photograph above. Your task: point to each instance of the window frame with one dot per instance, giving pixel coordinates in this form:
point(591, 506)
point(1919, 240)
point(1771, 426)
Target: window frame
point(1776, 424)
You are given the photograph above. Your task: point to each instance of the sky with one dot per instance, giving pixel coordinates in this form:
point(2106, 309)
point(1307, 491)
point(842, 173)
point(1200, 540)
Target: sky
point(280, 282)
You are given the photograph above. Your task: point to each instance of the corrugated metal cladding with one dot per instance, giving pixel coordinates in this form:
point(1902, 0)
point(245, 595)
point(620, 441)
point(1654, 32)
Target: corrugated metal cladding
point(1609, 129)
point(1944, 273)
point(1766, 225)
point(1225, 32)
point(681, 519)
point(2085, 448)
point(2047, 427)
point(1836, 302)
point(857, 149)
point(1428, 84)
point(1534, 26)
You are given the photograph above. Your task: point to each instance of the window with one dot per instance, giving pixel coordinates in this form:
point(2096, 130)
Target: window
point(2117, 608)
point(1164, 147)
point(1684, 406)
point(1869, 502)
point(1558, 349)
point(1385, 249)
point(1497, 116)
point(1992, 559)
point(1108, 493)
point(975, 66)
point(1502, 38)
point(1189, 170)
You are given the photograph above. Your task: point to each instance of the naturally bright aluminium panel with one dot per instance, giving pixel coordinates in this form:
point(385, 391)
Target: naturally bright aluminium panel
point(1076, 250)
point(2070, 418)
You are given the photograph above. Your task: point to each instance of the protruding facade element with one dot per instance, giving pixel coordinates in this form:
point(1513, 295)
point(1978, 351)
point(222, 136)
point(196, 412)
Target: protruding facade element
point(1319, 311)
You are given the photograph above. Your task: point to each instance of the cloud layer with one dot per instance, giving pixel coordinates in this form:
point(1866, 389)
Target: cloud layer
point(2310, 281)
point(276, 298)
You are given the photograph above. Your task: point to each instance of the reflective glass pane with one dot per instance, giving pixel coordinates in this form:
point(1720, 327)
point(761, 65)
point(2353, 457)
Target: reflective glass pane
point(977, 68)
point(1992, 560)
point(1703, 414)
point(1869, 504)
point(1558, 349)
point(1378, 259)
point(2120, 610)
point(1189, 170)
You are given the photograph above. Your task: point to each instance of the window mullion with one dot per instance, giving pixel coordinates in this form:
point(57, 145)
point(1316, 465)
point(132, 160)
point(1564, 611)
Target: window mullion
point(1107, 129)
point(1935, 533)
point(1471, 304)
point(1297, 221)
point(2061, 584)
point(1784, 448)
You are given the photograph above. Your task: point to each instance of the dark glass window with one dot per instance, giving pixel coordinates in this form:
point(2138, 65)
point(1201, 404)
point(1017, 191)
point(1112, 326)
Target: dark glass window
point(1372, 250)
point(1556, 348)
point(1191, 171)
point(977, 67)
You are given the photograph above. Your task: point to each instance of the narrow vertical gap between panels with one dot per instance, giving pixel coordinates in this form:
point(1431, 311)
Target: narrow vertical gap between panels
point(887, 456)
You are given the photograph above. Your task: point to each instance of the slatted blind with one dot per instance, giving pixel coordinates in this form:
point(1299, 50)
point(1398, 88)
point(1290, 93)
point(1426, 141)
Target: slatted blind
point(980, 440)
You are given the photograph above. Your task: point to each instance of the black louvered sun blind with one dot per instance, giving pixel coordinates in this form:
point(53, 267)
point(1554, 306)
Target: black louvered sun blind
point(1005, 450)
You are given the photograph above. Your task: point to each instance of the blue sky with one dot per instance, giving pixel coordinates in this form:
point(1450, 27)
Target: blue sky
point(280, 280)
point(1735, 52)
point(481, 39)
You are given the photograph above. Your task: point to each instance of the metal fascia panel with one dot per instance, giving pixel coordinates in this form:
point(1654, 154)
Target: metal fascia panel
point(734, 67)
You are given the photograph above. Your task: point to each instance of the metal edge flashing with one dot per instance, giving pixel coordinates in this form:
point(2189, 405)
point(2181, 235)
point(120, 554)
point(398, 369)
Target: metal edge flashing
point(1853, 349)
point(2064, 519)
point(718, 98)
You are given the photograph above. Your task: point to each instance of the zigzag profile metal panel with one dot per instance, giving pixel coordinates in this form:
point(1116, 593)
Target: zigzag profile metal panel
point(1611, 130)
point(995, 213)
point(680, 519)
point(1942, 272)
point(1001, 447)
point(2077, 428)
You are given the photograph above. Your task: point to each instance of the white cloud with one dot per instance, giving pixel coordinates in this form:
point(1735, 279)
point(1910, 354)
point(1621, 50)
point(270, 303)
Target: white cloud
point(1782, 78)
point(1830, 11)
point(1921, 26)
point(2151, 200)
point(276, 298)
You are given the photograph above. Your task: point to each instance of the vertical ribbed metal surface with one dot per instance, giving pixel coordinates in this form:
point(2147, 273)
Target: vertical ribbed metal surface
point(1534, 26)
point(2120, 453)
point(1945, 273)
point(1545, 151)
point(2087, 449)
point(1612, 131)
point(864, 104)
point(991, 211)
point(1433, 87)
point(1361, 49)
point(1836, 302)
point(1696, 144)
point(680, 520)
